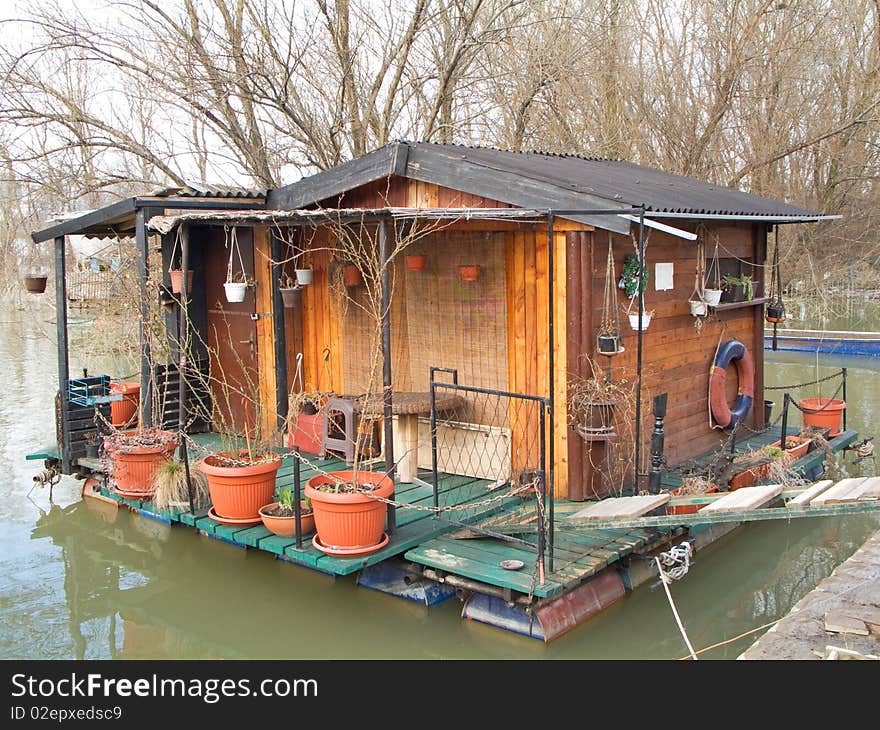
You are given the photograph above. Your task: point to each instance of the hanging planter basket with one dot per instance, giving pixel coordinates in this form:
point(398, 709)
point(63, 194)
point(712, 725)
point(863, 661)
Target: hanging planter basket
point(235, 291)
point(608, 343)
point(35, 284)
point(351, 275)
point(634, 320)
point(416, 262)
point(291, 296)
point(303, 277)
point(698, 307)
point(712, 297)
point(469, 272)
point(775, 312)
point(177, 280)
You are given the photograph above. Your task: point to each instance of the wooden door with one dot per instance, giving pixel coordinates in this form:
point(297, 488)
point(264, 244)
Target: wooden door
point(232, 335)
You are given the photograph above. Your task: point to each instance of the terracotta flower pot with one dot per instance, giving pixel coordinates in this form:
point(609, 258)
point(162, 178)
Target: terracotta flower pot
point(349, 521)
point(416, 262)
point(829, 416)
point(177, 280)
point(35, 284)
point(125, 412)
point(238, 492)
point(469, 273)
point(775, 313)
point(286, 526)
point(688, 509)
point(134, 467)
point(351, 275)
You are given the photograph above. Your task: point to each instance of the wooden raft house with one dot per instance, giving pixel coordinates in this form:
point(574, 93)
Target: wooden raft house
point(463, 374)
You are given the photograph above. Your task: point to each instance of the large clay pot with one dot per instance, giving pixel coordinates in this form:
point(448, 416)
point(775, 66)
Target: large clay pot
point(238, 492)
point(823, 413)
point(286, 526)
point(35, 284)
point(123, 413)
point(134, 466)
point(349, 521)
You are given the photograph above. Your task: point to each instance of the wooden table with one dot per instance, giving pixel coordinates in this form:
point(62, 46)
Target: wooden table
point(407, 406)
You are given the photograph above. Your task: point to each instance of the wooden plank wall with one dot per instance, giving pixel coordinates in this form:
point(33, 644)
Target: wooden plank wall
point(265, 333)
point(676, 357)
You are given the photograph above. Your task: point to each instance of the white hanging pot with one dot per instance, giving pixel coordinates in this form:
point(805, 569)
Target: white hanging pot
point(713, 297)
point(235, 291)
point(698, 307)
point(303, 276)
point(634, 320)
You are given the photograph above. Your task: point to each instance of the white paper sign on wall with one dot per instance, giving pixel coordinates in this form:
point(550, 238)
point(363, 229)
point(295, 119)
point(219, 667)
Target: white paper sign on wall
point(663, 276)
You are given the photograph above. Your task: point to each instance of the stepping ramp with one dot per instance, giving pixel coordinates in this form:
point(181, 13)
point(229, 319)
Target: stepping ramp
point(744, 499)
point(622, 507)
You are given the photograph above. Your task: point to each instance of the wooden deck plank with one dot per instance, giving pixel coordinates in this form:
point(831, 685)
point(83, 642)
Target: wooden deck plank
point(872, 489)
point(846, 490)
point(473, 562)
point(744, 499)
point(809, 493)
point(623, 506)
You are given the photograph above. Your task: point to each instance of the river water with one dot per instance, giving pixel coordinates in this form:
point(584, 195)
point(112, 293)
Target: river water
point(77, 583)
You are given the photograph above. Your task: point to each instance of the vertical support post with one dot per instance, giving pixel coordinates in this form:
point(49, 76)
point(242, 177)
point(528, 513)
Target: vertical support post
point(184, 457)
point(657, 443)
point(639, 350)
point(785, 399)
point(278, 311)
point(551, 366)
point(843, 394)
point(542, 526)
point(435, 480)
point(63, 361)
point(145, 417)
point(384, 260)
point(297, 492)
point(183, 332)
point(542, 420)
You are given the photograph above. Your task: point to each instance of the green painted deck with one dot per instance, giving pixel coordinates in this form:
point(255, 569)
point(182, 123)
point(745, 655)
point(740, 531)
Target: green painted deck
point(579, 551)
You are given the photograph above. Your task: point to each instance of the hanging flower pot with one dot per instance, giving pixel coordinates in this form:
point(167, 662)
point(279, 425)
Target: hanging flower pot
point(469, 272)
point(177, 280)
point(291, 296)
point(235, 291)
point(698, 307)
point(608, 343)
point(351, 275)
point(646, 320)
point(416, 262)
point(35, 284)
point(303, 277)
point(775, 312)
point(712, 297)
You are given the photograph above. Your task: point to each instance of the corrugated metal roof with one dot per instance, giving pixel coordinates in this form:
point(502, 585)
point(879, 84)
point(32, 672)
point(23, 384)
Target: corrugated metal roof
point(617, 181)
point(203, 190)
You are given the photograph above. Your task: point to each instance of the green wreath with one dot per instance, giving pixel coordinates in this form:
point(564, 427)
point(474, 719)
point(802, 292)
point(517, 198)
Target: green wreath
point(629, 278)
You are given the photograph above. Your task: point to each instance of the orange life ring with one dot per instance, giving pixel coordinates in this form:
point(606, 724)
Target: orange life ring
point(736, 352)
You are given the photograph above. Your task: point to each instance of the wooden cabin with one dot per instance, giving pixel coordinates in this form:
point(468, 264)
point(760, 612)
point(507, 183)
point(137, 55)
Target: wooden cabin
point(539, 226)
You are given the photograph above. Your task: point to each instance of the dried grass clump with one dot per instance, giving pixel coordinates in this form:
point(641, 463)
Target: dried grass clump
point(171, 489)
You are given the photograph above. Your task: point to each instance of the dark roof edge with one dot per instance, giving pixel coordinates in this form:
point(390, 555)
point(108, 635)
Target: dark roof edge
point(95, 217)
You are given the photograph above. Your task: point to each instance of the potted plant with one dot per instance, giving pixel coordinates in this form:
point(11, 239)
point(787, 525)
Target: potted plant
point(351, 275)
point(176, 275)
point(712, 292)
point(291, 294)
point(608, 339)
point(134, 457)
point(691, 486)
point(416, 262)
point(279, 517)
point(349, 511)
point(591, 405)
point(469, 272)
point(629, 277)
point(171, 490)
point(92, 439)
point(737, 288)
